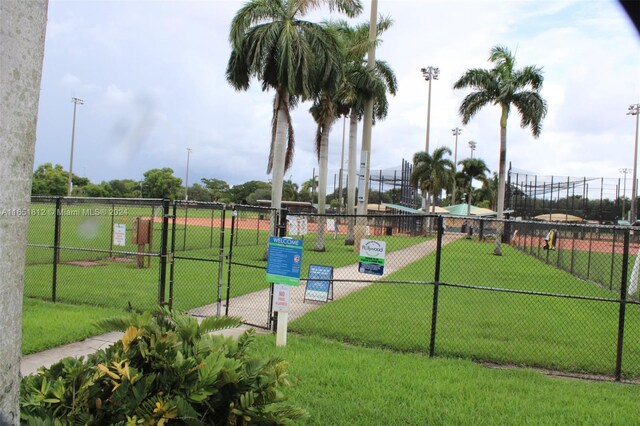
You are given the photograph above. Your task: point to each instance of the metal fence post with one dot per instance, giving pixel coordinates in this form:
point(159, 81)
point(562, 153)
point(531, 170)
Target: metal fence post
point(623, 304)
point(220, 260)
point(163, 251)
point(173, 251)
point(436, 285)
point(56, 248)
point(234, 213)
point(613, 256)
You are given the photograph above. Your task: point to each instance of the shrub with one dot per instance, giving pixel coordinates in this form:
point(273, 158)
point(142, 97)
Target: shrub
point(167, 368)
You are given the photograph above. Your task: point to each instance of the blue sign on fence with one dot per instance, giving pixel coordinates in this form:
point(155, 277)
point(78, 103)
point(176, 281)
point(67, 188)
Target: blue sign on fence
point(284, 260)
point(319, 284)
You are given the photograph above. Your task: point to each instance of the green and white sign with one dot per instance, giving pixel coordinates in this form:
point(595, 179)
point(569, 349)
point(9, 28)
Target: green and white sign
point(372, 254)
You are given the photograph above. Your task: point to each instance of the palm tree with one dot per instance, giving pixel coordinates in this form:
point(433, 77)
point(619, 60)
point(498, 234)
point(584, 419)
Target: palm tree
point(289, 191)
point(503, 85)
point(295, 58)
point(359, 84)
point(472, 168)
point(431, 173)
point(23, 33)
point(325, 113)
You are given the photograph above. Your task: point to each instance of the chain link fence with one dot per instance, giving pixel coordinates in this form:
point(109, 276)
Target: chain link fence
point(560, 297)
point(103, 252)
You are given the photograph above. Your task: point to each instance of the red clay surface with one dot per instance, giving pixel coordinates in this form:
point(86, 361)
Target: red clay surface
point(577, 244)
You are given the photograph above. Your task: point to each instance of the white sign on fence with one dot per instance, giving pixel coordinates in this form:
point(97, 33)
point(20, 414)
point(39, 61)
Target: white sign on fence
point(119, 234)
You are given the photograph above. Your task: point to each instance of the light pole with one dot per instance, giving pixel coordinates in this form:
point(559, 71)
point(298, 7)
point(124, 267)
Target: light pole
point(472, 145)
point(429, 73)
point(634, 110)
point(456, 132)
point(186, 182)
point(624, 171)
point(75, 101)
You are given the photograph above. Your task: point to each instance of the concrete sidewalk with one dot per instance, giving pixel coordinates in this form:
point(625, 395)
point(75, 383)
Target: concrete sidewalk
point(29, 364)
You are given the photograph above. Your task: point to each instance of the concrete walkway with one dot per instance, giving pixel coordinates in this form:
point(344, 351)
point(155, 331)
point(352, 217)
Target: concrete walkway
point(252, 307)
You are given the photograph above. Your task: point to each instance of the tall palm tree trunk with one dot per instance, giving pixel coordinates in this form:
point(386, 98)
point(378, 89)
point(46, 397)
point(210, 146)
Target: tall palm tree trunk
point(279, 153)
point(351, 176)
point(427, 209)
point(23, 26)
point(322, 184)
point(501, 180)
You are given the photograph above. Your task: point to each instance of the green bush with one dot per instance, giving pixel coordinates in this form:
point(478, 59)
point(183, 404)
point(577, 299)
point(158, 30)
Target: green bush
point(167, 368)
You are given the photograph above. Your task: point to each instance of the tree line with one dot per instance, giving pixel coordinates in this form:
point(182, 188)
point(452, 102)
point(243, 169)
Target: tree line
point(52, 180)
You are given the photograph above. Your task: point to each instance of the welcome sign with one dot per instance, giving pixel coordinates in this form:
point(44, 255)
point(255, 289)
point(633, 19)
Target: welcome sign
point(284, 260)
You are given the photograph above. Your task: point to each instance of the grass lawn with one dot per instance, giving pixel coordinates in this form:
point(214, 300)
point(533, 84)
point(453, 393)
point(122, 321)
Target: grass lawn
point(340, 384)
point(555, 333)
point(601, 267)
point(120, 284)
point(46, 325)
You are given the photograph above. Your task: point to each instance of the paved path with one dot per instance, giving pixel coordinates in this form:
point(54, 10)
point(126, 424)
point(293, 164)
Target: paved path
point(252, 307)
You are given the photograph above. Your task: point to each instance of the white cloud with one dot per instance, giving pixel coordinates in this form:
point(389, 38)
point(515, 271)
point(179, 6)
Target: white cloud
point(152, 75)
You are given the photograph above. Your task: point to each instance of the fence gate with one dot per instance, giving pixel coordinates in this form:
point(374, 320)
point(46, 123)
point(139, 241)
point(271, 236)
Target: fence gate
point(248, 295)
point(197, 258)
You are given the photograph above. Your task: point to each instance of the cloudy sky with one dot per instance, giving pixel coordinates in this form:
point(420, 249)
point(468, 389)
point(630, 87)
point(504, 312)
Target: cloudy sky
point(152, 77)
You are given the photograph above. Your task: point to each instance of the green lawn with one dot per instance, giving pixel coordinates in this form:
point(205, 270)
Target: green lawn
point(121, 284)
point(345, 385)
point(555, 333)
point(46, 325)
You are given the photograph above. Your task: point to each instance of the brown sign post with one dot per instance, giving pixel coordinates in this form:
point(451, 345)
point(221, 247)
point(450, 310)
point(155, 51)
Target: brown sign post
point(142, 235)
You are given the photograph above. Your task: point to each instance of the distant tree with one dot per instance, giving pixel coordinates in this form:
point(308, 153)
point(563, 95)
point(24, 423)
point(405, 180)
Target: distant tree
point(472, 168)
point(124, 188)
point(78, 181)
point(394, 195)
point(160, 183)
point(93, 190)
point(506, 87)
point(289, 191)
point(239, 193)
point(49, 180)
point(309, 188)
point(219, 189)
point(198, 192)
point(259, 194)
point(432, 173)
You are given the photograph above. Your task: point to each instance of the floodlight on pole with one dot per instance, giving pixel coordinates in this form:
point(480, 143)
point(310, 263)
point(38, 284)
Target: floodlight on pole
point(186, 182)
point(624, 171)
point(456, 132)
point(76, 102)
point(429, 73)
point(634, 110)
point(472, 146)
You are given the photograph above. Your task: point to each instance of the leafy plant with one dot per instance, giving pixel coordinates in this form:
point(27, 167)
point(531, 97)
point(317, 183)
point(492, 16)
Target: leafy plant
point(167, 368)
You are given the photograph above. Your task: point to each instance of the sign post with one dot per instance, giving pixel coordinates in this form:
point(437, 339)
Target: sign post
point(283, 269)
